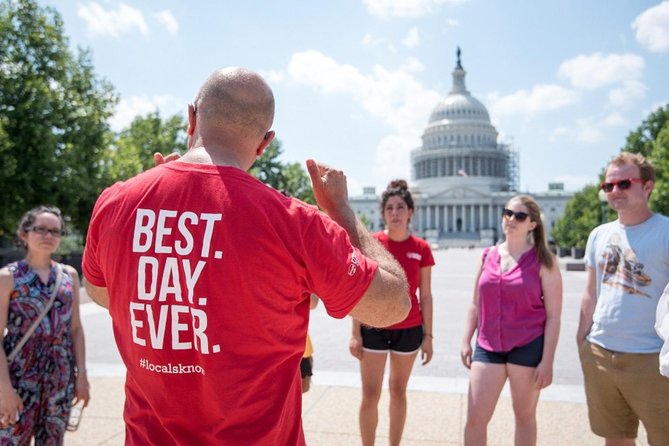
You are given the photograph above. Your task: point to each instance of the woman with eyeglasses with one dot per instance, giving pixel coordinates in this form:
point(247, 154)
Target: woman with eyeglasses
point(48, 373)
point(400, 342)
point(515, 313)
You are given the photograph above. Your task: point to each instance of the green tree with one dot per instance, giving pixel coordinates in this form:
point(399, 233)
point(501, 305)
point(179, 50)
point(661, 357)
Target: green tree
point(53, 117)
point(581, 215)
point(659, 199)
point(365, 220)
point(133, 149)
point(289, 177)
point(642, 140)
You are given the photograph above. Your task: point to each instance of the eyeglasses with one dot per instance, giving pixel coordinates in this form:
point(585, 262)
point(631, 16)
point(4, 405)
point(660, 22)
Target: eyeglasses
point(519, 216)
point(622, 184)
point(42, 230)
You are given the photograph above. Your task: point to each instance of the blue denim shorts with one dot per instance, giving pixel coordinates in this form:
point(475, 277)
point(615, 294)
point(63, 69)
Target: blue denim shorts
point(528, 355)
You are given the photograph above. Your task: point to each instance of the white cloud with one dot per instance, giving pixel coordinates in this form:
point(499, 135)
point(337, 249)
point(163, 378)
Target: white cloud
point(168, 20)
point(540, 98)
point(413, 65)
point(369, 40)
point(412, 38)
point(627, 94)
point(273, 76)
point(598, 70)
point(615, 119)
point(391, 156)
point(652, 28)
point(588, 132)
point(129, 108)
point(100, 21)
point(558, 134)
point(393, 97)
point(405, 8)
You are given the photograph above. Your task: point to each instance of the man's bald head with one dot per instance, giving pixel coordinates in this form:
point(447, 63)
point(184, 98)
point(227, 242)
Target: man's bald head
point(235, 100)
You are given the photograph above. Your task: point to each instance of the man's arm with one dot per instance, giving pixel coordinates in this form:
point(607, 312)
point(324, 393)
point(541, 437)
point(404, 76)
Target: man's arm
point(386, 301)
point(588, 304)
point(98, 294)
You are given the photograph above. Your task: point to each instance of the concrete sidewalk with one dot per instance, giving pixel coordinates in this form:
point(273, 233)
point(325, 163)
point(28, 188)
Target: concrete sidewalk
point(330, 419)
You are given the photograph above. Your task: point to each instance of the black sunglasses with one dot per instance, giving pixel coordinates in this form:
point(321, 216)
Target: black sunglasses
point(519, 216)
point(622, 184)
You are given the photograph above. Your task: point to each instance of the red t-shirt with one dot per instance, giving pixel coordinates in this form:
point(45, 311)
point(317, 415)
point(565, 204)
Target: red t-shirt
point(209, 274)
point(413, 254)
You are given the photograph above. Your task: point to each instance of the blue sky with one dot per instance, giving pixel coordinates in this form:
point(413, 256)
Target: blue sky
point(355, 80)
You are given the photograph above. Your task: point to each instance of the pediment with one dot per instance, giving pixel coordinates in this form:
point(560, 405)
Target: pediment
point(459, 192)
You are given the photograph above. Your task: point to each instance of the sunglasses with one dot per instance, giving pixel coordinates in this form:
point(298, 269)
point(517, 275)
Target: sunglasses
point(622, 184)
point(519, 216)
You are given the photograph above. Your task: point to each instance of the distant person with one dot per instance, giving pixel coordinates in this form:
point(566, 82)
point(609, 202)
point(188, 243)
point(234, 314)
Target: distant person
point(628, 267)
point(207, 274)
point(402, 341)
point(48, 372)
point(516, 316)
point(307, 362)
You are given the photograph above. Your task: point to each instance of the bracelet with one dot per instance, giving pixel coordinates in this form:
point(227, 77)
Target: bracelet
point(428, 335)
point(80, 371)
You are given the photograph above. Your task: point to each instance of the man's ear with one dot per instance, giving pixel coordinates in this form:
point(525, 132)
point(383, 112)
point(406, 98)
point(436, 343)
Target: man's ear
point(266, 141)
point(192, 114)
point(648, 187)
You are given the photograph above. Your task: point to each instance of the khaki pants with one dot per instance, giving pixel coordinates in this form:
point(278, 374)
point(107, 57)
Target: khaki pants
point(623, 388)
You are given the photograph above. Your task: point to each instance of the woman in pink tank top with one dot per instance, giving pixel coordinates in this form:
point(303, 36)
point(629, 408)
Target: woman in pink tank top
point(516, 315)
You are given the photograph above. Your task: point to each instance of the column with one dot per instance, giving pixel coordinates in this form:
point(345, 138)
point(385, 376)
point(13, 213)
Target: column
point(440, 223)
point(448, 212)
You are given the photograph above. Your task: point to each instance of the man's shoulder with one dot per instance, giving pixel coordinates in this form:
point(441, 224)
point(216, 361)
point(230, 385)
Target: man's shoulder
point(603, 228)
point(662, 220)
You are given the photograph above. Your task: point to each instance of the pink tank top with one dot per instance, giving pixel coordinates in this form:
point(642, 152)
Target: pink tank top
point(511, 305)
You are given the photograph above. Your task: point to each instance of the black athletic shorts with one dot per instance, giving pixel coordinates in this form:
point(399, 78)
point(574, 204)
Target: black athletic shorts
point(528, 355)
point(402, 341)
point(306, 366)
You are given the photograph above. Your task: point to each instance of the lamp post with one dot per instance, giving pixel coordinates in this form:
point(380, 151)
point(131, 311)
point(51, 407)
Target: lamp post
point(604, 202)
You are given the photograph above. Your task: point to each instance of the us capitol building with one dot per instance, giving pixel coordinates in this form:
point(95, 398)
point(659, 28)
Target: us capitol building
point(462, 177)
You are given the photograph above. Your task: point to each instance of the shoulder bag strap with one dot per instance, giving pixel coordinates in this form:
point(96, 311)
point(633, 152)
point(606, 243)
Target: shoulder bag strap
point(47, 307)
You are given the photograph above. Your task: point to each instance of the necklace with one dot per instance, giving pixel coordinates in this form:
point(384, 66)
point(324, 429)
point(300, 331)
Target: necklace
point(507, 260)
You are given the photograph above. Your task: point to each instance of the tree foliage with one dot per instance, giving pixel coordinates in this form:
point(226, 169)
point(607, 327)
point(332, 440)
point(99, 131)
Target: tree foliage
point(651, 139)
point(289, 177)
point(53, 117)
point(133, 148)
point(583, 212)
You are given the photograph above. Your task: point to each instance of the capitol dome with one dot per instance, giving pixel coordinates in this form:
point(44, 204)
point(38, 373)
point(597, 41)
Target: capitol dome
point(460, 141)
point(460, 105)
